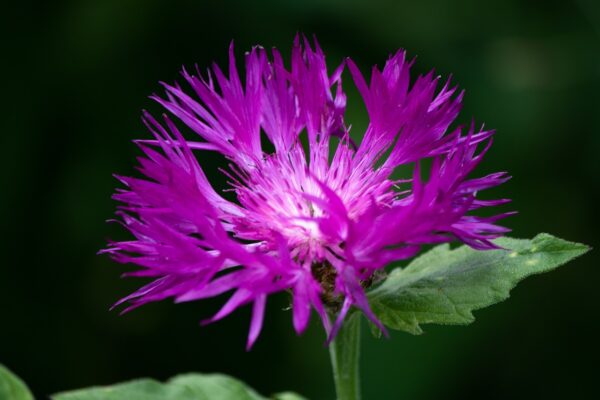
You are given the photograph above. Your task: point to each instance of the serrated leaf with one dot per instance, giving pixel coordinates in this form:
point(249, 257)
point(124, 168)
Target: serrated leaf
point(445, 286)
point(182, 387)
point(11, 387)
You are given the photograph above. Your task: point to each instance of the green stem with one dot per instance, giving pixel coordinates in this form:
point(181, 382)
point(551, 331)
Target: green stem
point(344, 351)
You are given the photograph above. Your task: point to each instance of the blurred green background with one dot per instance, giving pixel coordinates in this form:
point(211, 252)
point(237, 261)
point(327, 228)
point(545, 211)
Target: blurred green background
point(76, 75)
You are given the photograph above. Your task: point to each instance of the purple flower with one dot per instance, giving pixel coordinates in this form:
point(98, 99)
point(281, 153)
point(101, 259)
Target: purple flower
point(321, 223)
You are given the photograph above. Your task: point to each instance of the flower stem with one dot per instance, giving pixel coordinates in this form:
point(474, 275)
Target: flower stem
point(344, 351)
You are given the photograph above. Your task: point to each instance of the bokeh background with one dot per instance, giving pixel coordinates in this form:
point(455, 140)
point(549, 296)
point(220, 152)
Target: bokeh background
point(76, 75)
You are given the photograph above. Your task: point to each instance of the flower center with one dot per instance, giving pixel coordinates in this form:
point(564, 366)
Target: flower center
point(283, 196)
point(325, 274)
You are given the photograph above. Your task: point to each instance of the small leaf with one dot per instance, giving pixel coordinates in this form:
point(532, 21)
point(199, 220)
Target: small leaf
point(288, 396)
point(11, 387)
point(182, 387)
point(444, 286)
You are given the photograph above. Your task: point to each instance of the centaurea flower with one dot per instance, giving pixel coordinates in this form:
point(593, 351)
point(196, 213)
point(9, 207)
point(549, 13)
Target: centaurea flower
point(320, 223)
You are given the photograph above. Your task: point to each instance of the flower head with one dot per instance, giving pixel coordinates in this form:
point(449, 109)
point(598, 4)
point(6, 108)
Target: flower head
point(320, 222)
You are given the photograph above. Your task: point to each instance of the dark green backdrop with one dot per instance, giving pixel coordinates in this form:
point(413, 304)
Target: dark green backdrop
point(76, 75)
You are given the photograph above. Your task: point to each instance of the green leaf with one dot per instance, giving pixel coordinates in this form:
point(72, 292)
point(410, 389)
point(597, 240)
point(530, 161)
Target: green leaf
point(288, 396)
point(444, 286)
point(182, 387)
point(11, 387)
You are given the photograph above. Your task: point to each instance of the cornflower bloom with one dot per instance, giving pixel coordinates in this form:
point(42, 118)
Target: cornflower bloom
point(321, 222)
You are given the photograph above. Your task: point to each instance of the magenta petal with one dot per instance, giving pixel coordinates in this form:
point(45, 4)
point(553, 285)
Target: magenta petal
point(301, 305)
point(258, 313)
point(339, 320)
point(240, 297)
